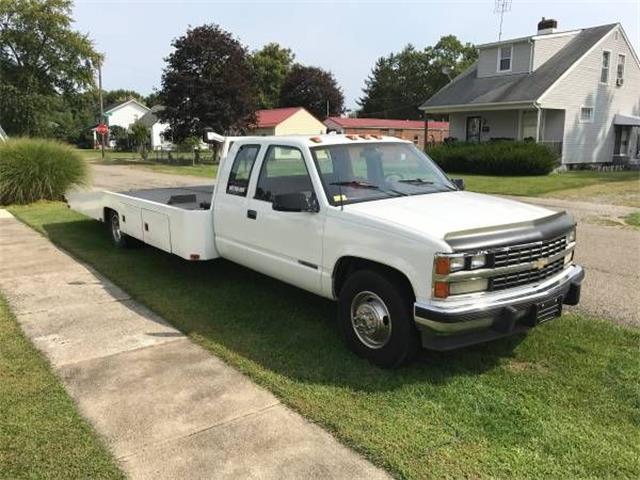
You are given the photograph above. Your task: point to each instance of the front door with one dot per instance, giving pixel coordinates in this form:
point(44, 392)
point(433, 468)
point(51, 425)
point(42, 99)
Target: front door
point(474, 127)
point(285, 245)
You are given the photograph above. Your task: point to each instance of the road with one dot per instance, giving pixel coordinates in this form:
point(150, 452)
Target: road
point(610, 254)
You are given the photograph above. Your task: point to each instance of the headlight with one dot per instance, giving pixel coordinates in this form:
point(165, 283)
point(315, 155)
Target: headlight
point(571, 236)
point(478, 261)
point(448, 263)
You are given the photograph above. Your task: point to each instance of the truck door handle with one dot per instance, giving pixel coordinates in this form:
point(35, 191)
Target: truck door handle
point(252, 214)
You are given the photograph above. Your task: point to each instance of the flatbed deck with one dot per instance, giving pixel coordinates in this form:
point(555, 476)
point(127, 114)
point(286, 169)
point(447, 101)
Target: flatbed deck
point(188, 198)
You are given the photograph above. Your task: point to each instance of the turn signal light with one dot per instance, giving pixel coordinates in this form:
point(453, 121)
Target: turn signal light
point(441, 289)
point(443, 265)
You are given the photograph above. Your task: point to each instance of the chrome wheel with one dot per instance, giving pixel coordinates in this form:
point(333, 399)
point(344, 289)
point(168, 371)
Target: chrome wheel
point(115, 228)
point(370, 320)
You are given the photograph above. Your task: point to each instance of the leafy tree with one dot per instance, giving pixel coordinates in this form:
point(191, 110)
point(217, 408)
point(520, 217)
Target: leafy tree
point(271, 64)
point(207, 83)
point(400, 82)
point(112, 97)
point(152, 99)
point(314, 89)
point(41, 58)
point(139, 136)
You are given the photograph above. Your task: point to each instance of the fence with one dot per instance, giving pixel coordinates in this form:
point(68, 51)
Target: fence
point(192, 157)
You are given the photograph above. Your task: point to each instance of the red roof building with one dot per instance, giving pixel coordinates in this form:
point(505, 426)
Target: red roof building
point(412, 130)
point(287, 121)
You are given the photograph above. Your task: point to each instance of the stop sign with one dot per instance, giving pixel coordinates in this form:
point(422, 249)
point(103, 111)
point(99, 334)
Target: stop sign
point(102, 129)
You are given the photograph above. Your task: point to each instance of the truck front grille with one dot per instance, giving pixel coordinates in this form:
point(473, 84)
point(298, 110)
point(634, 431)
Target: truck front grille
point(529, 252)
point(527, 276)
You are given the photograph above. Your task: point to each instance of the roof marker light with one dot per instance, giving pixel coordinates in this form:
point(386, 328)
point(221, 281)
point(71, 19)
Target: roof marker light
point(316, 139)
point(366, 136)
point(352, 137)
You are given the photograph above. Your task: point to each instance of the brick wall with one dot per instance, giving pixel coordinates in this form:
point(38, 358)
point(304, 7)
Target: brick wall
point(413, 135)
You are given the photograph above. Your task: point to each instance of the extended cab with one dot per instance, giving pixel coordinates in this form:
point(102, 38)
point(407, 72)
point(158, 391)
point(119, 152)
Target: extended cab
point(373, 223)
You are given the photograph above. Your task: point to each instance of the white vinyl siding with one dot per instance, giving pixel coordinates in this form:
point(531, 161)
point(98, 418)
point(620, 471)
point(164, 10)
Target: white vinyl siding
point(545, 48)
point(580, 87)
point(606, 64)
point(505, 54)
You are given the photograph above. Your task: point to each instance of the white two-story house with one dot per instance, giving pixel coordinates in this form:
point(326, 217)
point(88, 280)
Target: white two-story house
point(577, 91)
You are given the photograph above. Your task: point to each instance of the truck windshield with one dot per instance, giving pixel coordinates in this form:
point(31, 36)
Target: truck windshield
point(363, 172)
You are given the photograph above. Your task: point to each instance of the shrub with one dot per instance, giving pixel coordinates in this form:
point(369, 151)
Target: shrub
point(495, 158)
point(34, 169)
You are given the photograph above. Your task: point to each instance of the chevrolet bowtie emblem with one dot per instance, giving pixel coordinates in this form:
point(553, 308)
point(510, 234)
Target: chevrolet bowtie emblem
point(540, 263)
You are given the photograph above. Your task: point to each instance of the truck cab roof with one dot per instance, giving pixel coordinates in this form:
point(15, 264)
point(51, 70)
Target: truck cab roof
point(318, 140)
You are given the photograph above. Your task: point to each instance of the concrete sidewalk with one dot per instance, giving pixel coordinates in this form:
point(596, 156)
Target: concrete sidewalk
point(165, 407)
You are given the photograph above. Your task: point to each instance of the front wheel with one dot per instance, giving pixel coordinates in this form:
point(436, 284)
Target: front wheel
point(375, 319)
point(119, 238)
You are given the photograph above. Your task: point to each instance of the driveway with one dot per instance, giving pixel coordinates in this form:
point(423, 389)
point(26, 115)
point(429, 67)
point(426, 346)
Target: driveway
point(610, 254)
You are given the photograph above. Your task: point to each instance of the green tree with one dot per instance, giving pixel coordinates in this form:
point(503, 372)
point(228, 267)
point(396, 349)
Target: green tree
point(41, 59)
point(271, 64)
point(400, 82)
point(139, 136)
point(207, 83)
point(112, 97)
point(314, 89)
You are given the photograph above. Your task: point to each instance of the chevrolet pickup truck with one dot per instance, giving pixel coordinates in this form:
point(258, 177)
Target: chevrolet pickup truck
point(373, 223)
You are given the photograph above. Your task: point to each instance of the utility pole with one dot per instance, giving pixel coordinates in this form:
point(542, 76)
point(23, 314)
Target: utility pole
point(101, 105)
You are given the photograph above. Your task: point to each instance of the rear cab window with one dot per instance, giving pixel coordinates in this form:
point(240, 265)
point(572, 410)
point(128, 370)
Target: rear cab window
point(241, 169)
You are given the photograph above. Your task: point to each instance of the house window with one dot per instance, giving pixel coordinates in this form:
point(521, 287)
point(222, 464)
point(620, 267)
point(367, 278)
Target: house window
point(586, 114)
point(504, 58)
point(620, 69)
point(604, 72)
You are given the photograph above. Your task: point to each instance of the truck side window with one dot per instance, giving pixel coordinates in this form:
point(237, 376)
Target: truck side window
point(283, 171)
point(241, 170)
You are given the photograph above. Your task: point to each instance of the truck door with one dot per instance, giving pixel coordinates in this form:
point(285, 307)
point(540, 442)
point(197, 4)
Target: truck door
point(284, 245)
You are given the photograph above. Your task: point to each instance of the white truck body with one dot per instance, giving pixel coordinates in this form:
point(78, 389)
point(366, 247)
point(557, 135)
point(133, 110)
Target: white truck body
point(403, 233)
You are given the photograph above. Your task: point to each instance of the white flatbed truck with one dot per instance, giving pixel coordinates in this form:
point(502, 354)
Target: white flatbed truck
point(373, 223)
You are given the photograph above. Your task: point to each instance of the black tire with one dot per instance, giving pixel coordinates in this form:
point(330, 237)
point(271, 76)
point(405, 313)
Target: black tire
point(374, 296)
point(120, 239)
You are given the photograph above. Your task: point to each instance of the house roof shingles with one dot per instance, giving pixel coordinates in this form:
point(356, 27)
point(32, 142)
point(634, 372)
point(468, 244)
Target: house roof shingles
point(275, 116)
point(385, 123)
point(468, 89)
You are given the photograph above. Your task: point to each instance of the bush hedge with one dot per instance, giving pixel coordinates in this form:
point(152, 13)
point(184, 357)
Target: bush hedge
point(495, 158)
point(35, 169)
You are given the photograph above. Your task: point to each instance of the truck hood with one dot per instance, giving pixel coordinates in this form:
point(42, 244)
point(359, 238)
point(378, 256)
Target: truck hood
point(446, 214)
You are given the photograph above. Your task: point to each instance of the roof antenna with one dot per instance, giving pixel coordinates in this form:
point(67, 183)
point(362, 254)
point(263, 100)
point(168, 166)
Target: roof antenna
point(502, 6)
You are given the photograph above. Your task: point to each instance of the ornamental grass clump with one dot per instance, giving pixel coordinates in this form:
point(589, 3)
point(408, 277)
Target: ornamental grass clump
point(37, 169)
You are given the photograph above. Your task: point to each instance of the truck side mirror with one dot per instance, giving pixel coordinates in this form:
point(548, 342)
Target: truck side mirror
point(293, 202)
point(458, 182)
point(210, 137)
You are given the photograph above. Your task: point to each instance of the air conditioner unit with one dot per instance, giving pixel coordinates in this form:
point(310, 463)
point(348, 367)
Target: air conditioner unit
point(619, 82)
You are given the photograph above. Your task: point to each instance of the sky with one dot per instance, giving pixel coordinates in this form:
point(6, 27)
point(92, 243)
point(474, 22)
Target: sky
point(345, 37)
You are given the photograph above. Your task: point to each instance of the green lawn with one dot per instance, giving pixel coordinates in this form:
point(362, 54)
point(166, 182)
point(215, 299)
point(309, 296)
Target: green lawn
point(633, 219)
point(549, 184)
point(562, 402)
point(41, 433)
point(134, 160)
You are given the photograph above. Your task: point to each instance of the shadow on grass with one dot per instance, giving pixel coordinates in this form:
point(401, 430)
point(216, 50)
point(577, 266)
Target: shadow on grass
point(243, 315)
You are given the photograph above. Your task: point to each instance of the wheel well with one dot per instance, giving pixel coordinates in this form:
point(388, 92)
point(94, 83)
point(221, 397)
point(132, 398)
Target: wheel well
point(348, 265)
point(105, 213)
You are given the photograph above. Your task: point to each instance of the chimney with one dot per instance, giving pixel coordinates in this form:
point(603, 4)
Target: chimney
point(547, 25)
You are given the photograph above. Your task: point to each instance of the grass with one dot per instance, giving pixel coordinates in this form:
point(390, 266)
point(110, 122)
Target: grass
point(562, 402)
point(134, 160)
point(41, 433)
point(633, 219)
point(38, 169)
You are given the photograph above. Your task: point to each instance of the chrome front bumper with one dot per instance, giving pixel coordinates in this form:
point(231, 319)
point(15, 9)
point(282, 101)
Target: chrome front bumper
point(446, 325)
